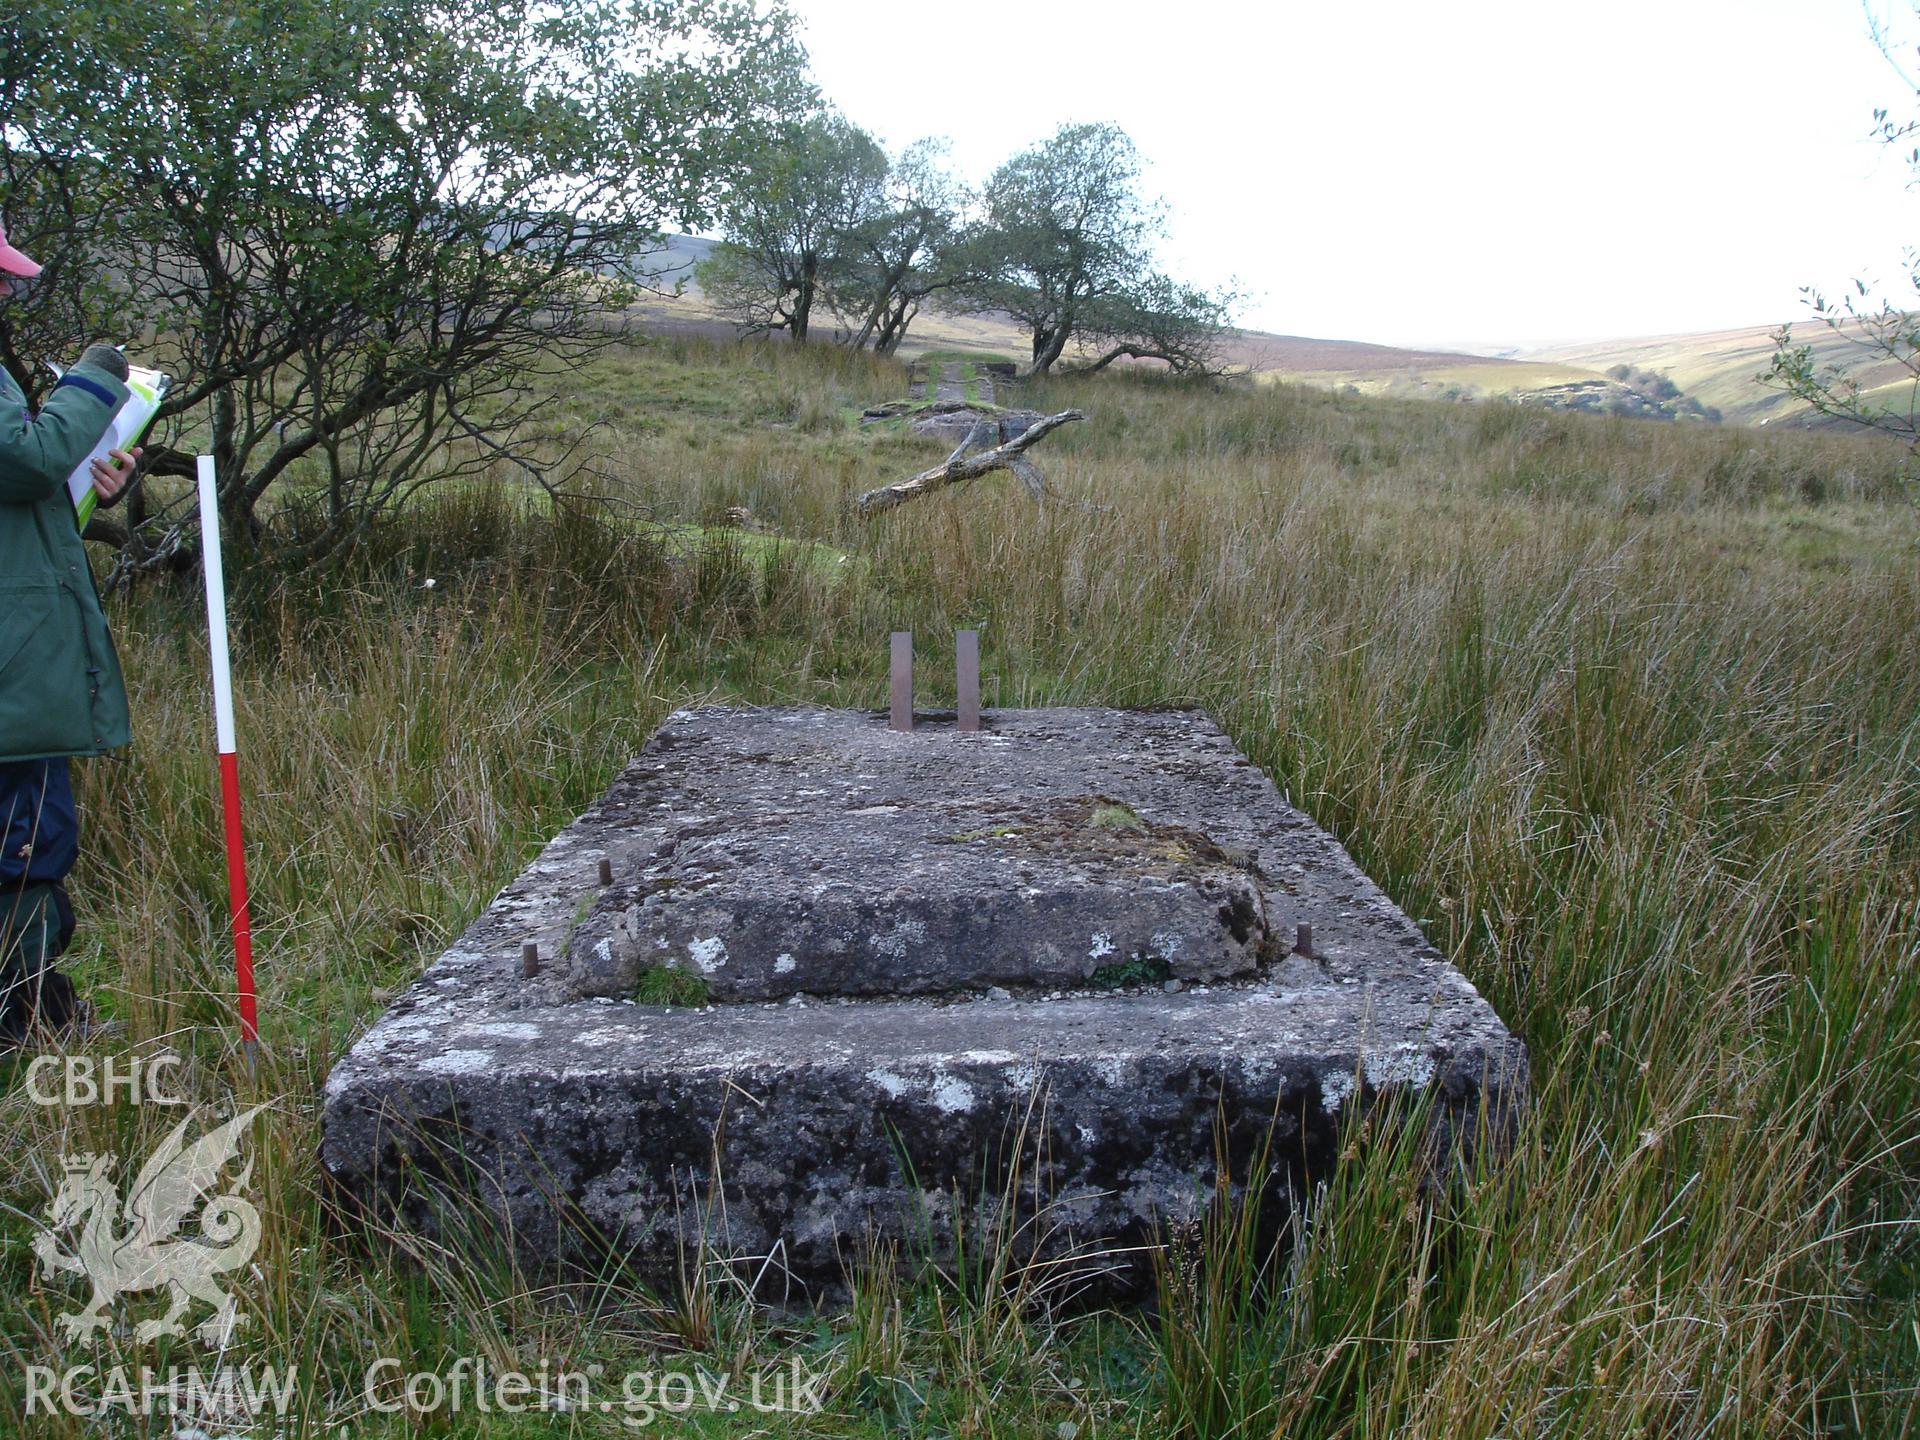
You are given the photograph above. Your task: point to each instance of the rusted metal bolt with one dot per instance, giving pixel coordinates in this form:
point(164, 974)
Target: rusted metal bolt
point(900, 699)
point(967, 677)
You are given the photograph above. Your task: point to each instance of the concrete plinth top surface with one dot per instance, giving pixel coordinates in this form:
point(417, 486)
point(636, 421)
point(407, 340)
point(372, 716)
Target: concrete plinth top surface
point(820, 852)
point(902, 939)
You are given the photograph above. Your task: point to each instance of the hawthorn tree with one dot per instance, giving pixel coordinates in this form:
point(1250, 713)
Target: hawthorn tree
point(1063, 228)
point(350, 227)
point(1064, 246)
point(904, 252)
point(788, 223)
point(1876, 335)
point(1159, 318)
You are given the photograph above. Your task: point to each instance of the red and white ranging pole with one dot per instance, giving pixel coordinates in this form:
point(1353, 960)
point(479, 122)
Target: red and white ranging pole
point(229, 765)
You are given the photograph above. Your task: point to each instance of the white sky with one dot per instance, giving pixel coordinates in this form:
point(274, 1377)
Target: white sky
point(1486, 172)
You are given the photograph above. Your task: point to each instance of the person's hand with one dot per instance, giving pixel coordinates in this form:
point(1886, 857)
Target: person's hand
point(112, 471)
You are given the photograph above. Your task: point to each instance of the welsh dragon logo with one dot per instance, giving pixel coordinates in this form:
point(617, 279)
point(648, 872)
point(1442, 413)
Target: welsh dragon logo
point(125, 1249)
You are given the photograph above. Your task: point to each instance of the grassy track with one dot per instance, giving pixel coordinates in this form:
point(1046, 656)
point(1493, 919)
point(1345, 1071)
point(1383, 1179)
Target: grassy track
point(1625, 713)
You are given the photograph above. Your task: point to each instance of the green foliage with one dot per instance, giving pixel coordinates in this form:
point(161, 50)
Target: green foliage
point(355, 228)
point(1064, 245)
point(788, 221)
point(668, 985)
point(1879, 335)
point(1653, 395)
point(905, 252)
point(1650, 383)
point(1064, 225)
point(825, 221)
point(1159, 318)
point(1112, 815)
point(1124, 974)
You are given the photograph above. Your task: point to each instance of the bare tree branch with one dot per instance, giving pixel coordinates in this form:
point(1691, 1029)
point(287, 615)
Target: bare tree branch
point(955, 469)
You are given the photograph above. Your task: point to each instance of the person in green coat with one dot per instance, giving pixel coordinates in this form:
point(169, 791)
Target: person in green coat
point(61, 693)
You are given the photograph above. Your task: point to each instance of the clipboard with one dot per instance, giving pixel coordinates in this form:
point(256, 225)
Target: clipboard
point(145, 390)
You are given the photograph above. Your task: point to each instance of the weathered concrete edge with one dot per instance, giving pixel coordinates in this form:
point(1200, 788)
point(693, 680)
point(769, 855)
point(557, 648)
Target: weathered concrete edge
point(896, 1121)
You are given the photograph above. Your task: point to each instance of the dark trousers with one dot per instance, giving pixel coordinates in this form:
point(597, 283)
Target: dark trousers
point(36, 926)
point(39, 840)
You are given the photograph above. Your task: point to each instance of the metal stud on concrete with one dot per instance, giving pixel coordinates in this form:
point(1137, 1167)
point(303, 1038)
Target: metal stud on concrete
point(900, 715)
point(967, 664)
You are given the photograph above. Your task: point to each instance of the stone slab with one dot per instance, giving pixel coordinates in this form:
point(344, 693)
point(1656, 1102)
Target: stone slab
point(583, 1121)
point(988, 428)
point(820, 853)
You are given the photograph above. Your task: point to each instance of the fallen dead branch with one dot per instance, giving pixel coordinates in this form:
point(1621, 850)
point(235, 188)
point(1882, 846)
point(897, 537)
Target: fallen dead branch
point(957, 468)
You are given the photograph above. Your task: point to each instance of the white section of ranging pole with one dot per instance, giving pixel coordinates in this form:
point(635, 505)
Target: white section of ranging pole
point(229, 762)
point(216, 607)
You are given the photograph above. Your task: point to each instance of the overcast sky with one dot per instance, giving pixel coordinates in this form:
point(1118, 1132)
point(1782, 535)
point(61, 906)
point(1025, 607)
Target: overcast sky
point(1488, 172)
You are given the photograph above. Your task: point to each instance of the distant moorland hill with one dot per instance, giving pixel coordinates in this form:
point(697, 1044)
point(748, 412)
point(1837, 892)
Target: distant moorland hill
point(1723, 367)
point(1712, 373)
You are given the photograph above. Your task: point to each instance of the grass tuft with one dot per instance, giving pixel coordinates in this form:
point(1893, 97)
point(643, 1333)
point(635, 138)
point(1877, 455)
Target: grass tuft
point(1111, 815)
point(666, 985)
point(1140, 970)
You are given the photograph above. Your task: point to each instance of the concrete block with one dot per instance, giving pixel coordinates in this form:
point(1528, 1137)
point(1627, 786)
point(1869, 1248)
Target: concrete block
point(1059, 947)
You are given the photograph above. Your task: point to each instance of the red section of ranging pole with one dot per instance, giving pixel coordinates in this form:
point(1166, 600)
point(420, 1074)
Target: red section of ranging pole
point(237, 896)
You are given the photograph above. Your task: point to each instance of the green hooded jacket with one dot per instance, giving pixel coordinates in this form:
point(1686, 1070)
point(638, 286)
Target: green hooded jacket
point(60, 686)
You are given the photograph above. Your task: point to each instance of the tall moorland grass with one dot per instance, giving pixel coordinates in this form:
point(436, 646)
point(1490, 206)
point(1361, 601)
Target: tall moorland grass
point(1624, 713)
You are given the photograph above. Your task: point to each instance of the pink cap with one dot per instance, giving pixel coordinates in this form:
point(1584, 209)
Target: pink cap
point(13, 262)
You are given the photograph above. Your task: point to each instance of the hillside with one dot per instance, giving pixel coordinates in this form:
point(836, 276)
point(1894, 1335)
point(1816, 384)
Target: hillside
point(1723, 367)
point(1389, 370)
point(1298, 359)
point(1720, 369)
